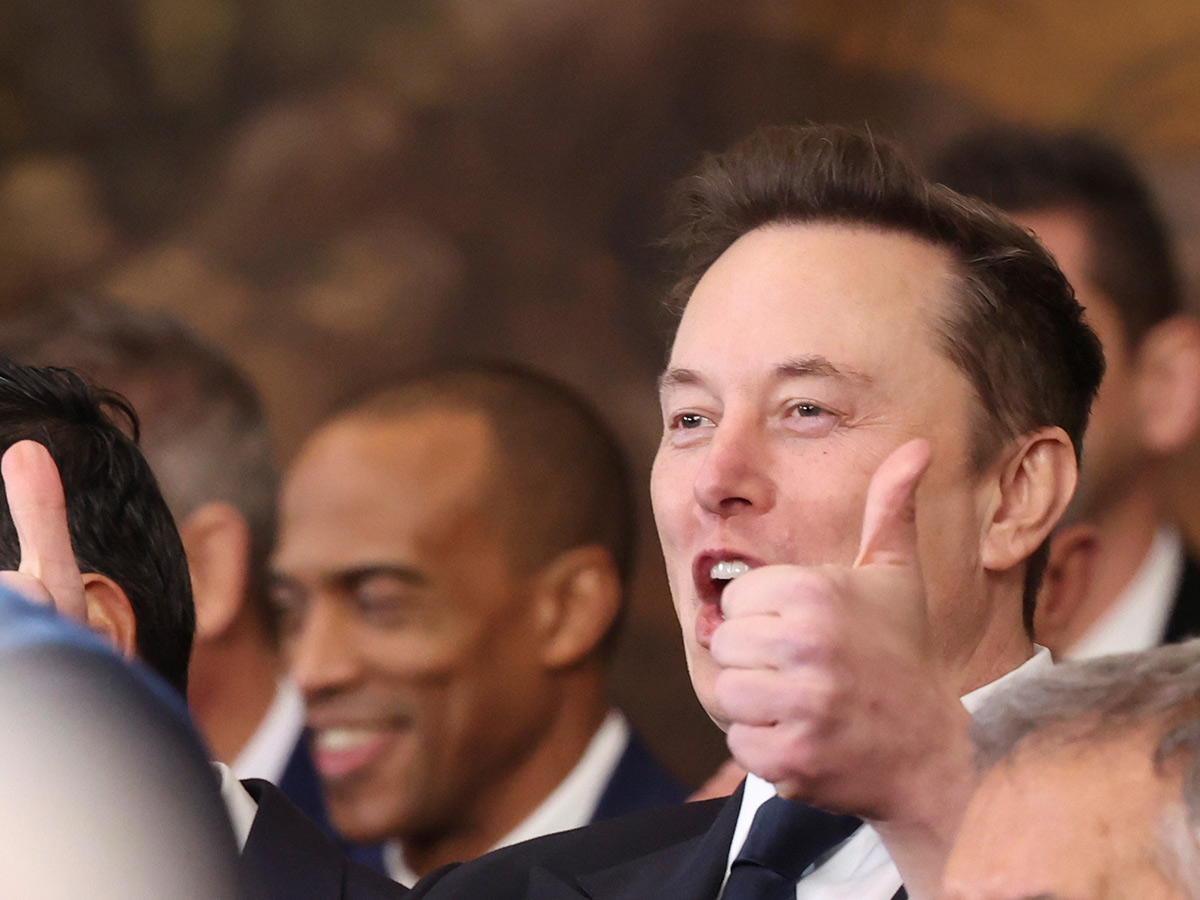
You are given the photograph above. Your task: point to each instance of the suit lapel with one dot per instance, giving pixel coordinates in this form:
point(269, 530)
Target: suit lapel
point(690, 870)
point(286, 856)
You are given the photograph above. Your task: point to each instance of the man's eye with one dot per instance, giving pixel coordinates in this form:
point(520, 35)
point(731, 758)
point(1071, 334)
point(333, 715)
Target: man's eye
point(383, 600)
point(810, 419)
point(688, 421)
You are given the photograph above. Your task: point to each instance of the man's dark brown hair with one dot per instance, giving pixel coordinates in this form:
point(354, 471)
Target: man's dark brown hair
point(1017, 334)
point(1129, 254)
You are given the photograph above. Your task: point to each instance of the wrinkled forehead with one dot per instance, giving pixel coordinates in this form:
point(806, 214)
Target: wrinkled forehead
point(858, 296)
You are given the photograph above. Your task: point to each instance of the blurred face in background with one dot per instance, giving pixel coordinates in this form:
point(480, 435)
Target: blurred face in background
point(404, 623)
point(1113, 448)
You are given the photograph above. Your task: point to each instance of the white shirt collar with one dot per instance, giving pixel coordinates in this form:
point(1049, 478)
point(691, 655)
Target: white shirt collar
point(860, 869)
point(1138, 617)
point(241, 806)
point(569, 805)
point(267, 752)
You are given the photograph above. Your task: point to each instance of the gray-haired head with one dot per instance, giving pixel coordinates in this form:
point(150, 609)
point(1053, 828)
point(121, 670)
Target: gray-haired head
point(203, 429)
point(1105, 699)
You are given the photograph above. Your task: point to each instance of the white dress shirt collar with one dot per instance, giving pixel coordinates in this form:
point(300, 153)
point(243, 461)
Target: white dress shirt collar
point(241, 806)
point(267, 752)
point(1137, 620)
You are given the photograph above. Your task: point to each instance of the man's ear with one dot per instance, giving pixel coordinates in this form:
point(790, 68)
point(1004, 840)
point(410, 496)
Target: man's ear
point(1168, 384)
point(109, 612)
point(216, 539)
point(1065, 584)
point(1031, 494)
point(577, 597)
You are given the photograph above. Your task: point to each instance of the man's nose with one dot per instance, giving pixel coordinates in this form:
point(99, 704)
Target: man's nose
point(321, 653)
point(735, 476)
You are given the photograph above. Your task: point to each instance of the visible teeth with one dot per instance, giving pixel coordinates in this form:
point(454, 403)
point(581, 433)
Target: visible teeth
point(344, 738)
point(728, 569)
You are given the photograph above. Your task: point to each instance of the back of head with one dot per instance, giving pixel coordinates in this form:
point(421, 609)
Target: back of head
point(1017, 333)
point(120, 525)
point(107, 791)
point(1025, 170)
point(561, 480)
point(203, 428)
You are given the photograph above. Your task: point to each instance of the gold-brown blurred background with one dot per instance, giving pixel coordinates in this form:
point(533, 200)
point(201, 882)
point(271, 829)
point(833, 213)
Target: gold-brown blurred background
point(338, 190)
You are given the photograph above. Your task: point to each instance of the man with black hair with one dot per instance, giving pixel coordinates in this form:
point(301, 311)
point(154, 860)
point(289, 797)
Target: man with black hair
point(108, 556)
point(452, 568)
point(205, 435)
point(1083, 198)
point(871, 419)
point(135, 584)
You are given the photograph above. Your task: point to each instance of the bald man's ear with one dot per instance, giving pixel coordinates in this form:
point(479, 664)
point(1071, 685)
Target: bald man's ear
point(1030, 495)
point(1065, 584)
point(578, 597)
point(1168, 384)
point(109, 613)
point(216, 539)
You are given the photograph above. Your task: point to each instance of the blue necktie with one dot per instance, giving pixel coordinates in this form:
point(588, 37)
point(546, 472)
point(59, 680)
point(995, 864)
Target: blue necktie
point(784, 840)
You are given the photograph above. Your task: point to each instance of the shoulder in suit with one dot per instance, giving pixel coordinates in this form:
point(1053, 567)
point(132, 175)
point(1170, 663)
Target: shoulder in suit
point(286, 856)
point(675, 851)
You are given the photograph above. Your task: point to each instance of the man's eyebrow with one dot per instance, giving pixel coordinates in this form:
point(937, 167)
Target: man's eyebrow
point(807, 366)
point(796, 367)
point(673, 378)
point(350, 578)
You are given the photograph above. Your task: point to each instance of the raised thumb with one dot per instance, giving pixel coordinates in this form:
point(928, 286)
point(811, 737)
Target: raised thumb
point(889, 529)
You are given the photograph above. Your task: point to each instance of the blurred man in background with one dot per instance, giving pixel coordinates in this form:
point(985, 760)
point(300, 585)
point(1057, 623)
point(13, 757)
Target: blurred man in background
point(206, 438)
point(1091, 784)
point(450, 576)
point(1084, 200)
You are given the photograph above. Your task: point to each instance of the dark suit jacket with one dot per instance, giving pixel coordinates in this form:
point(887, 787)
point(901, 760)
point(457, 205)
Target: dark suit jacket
point(638, 782)
point(286, 857)
point(1185, 613)
point(674, 853)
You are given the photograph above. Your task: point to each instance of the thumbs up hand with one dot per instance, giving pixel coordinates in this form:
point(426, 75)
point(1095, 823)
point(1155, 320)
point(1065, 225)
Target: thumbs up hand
point(48, 572)
point(829, 679)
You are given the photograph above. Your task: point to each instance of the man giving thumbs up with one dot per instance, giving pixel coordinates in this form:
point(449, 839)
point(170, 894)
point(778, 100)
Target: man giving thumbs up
point(871, 419)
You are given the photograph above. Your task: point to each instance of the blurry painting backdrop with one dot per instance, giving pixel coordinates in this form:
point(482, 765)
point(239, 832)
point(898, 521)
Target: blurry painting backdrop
point(339, 190)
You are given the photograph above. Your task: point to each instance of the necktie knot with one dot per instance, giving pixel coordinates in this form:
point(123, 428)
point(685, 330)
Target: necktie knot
point(785, 839)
